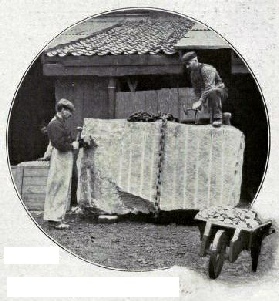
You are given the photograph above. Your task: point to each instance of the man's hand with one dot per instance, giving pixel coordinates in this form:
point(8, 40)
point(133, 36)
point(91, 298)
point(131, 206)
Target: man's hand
point(197, 105)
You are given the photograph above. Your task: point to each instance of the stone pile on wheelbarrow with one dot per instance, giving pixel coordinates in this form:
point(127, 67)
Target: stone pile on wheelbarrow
point(237, 217)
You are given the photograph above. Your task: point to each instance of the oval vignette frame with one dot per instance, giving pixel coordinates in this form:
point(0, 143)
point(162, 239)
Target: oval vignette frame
point(127, 10)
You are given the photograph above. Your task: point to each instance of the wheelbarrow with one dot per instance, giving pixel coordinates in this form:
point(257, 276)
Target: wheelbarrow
point(223, 241)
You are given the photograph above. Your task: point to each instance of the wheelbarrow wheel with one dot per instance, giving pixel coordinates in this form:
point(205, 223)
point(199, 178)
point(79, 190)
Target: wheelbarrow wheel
point(217, 254)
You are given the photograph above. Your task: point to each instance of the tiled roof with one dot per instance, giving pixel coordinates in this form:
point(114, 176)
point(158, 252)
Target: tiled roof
point(145, 36)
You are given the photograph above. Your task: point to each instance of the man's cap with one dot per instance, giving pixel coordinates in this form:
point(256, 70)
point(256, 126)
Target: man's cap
point(65, 103)
point(189, 56)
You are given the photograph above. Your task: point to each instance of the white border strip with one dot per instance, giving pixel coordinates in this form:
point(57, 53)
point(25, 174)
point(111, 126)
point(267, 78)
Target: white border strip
point(93, 287)
point(31, 255)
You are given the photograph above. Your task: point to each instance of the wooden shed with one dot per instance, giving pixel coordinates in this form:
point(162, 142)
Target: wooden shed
point(121, 68)
point(115, 64)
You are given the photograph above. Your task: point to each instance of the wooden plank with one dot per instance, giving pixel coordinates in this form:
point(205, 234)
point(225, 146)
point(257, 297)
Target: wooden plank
point(164, 101)
point(35, 207)
point(182, 95)
point(119, 104)
point(34, 181)
point(36, 197)
point(63, 88)
point(173, 100)
point(111, 96)
point(96, 98)
point(36, 172)
point(135, 59)
point(183, 100)
point(13, 172)
point(151, 101)
point(123, 105)
point(186, 98)
point(33, 165)
point(60, 70)
point(191, 97)
point(78, 96)
point(34, 189)
point(138, 99)
point(19, 178)
point(34, 201)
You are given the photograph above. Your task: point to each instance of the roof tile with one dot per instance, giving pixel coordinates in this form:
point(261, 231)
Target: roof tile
point(152, 35)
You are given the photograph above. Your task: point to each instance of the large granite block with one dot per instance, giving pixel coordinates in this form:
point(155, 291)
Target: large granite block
point(202, 166)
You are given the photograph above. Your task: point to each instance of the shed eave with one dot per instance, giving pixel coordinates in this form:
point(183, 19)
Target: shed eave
point(199, 46)
point(112, 60)
point(202, 40)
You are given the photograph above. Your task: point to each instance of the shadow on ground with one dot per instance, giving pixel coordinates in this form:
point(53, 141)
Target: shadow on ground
point(140, 243)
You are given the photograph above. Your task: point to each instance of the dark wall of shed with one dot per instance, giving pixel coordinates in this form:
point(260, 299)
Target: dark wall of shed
point(248, 114)
point(89, 96)
point(33, 105)
point(155, 82)
point(221, 59)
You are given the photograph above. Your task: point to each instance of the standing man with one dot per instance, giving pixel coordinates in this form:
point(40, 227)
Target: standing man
point(61, 166)
point(209, 89)
point(74, 184)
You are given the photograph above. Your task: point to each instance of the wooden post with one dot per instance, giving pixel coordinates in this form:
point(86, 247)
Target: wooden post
point(19, 178)
point(111, 96)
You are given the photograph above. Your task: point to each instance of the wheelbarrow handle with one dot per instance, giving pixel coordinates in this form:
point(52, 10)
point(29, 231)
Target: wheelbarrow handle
point(205, 239)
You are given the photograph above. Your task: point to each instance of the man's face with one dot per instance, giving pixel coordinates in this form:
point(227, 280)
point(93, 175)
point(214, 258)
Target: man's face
point(192, 64)
point(66, 113)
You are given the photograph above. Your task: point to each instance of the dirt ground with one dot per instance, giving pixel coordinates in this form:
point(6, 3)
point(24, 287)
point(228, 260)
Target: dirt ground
point(137, 244)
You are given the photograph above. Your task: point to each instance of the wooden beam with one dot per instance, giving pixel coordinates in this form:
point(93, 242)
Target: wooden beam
point(112, 60)
point(238, 66)
point(60, 70)
point(240, 69)
point(19, 178)
point(111, 97)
